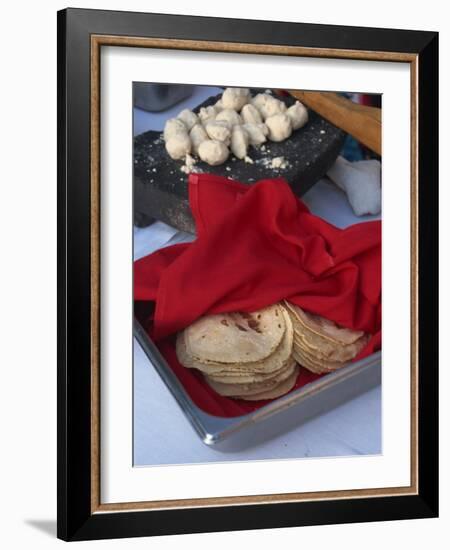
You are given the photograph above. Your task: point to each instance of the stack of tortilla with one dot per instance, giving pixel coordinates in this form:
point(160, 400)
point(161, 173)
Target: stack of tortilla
point(242, 355)
point(319, 344)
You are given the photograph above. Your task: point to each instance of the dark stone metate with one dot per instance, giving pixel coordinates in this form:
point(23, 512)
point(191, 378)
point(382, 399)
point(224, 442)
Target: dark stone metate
point(160, 187)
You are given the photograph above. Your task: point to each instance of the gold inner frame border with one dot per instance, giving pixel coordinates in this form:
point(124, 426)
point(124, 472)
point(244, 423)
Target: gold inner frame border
point(97, 41)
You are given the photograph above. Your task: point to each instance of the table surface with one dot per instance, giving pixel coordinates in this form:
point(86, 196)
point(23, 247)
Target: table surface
point(162, 433)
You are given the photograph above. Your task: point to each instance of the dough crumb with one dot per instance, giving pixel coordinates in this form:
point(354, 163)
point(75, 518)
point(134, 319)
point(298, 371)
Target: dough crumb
point(189, 164)
point(190, 160)
point(279, 162)
point(248, 159)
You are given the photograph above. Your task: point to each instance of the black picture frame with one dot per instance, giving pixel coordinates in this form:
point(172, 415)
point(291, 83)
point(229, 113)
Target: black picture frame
point(76, 518)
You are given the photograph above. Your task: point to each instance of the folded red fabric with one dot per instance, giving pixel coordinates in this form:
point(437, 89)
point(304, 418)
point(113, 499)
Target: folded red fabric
point(256, 246)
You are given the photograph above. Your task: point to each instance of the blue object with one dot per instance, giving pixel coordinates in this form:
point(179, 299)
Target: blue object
point(352, 150)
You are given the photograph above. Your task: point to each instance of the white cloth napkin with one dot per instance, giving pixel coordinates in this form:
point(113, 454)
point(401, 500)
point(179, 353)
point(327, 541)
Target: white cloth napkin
point(361, 181)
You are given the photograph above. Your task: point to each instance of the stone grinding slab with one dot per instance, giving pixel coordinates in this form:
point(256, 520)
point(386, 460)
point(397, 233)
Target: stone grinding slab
point(160, 187)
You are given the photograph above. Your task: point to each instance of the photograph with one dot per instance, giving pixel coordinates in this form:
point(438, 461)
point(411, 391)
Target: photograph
point(257, 273)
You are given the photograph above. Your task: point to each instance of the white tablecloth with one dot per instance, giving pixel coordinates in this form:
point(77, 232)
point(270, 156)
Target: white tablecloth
point(162, 433)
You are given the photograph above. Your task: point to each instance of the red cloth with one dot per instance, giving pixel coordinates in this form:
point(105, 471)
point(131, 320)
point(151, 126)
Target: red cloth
point(256, 246)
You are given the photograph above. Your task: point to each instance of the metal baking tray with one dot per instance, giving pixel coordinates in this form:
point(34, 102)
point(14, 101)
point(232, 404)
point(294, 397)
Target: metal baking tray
point(281, 414)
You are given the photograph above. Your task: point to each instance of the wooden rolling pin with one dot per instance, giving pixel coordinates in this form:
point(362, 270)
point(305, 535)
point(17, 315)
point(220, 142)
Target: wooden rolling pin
point(360, 121)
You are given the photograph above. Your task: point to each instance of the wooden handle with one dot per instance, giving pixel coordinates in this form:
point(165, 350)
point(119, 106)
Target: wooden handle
point(360, 121)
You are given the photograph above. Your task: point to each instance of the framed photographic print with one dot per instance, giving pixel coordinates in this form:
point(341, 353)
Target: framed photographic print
point(247, 254)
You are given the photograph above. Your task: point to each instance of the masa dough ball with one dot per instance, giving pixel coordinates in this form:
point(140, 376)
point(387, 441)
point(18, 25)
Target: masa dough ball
point(207, 113)
point(230, 116)
point(235, 98)
point(178, 146)
point(239, 142)
point(197, 135)
point(298, 114)
point(250, 114)
point(257, 133)
point(173, 127)
point(213, 152)
point(189, 118)
point(280, 127)
point(218, 130)
point(268, 105)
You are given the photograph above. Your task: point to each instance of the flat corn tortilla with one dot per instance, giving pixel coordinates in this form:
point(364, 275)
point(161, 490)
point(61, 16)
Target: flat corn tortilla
point(283, 387)
point(341, 354)
point(324, 327)
point(251, 388)
point(307, 365)
point(316, 365)
point(249, 378)
point(236, 337)
point(323, 346)
point(275, 362)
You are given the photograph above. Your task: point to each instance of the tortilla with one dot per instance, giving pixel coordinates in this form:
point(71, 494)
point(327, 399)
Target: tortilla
point(307, 364)
point(339, 354)
point(250, 377)
point(271, 364)
point(230, 389)
point(316, 365)
point(324, 327)
point(283, 387)
point(236, 337)
point(321, 346)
